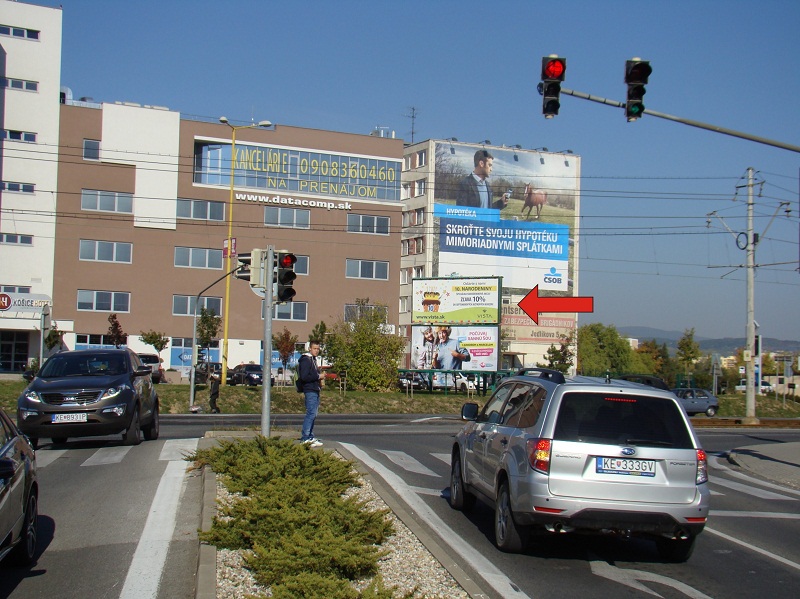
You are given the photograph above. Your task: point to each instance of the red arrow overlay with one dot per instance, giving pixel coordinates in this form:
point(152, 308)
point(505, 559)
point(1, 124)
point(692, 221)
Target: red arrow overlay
point(533, 305)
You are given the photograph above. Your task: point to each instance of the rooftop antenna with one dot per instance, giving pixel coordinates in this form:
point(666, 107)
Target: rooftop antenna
point(413, 116)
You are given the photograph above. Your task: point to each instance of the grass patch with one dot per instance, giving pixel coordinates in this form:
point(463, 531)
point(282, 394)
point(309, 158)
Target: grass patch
point(301, 536)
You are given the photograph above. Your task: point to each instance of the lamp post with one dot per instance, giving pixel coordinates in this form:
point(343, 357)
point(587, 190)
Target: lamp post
point(234, 129)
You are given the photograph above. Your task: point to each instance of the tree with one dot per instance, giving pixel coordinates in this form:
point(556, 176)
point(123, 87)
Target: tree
point(159, 341)
point(317, 334)
point(363, 349)
point(688, 350)
point(601, 350)
point(207, 328)
point(54, 337)
point(115, 332)
point(284, 343)
point(560, 358)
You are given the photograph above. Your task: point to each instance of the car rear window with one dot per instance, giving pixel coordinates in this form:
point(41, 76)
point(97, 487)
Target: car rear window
point(621, 419)
point(149, 359)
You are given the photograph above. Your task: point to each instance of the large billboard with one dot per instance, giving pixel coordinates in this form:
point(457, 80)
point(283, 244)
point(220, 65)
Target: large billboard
point(445, 347)
point(456, 301)
point(506, 212)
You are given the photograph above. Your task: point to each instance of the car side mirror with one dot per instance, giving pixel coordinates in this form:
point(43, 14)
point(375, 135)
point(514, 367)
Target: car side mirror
point(6, 468)
point(142, 371)
point(28, 375)
point(469, 411)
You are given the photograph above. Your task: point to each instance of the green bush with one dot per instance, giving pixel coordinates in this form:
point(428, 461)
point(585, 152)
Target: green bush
point(302, 537)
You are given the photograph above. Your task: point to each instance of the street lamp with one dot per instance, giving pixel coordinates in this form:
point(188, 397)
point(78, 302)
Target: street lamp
point(234, 129)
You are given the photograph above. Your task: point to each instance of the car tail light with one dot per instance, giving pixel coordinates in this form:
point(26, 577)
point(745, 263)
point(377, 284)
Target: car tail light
point(539, 454)
point(702, 467)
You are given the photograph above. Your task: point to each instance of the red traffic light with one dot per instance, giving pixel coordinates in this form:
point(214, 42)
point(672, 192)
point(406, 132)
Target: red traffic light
point(286, 260)
point(553, 68)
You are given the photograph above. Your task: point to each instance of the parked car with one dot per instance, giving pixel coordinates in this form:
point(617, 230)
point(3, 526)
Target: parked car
point(203, 369)
point(467, 382)
point(154, 362)
point(19, 494)
point(412, 380)
point(697, 401)
point(582, 455)
point(246, 374)
point(90, 392)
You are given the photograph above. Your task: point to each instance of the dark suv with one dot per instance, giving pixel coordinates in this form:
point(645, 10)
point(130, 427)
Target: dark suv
point(90, 392)
point(246, 374)
point(583, 455)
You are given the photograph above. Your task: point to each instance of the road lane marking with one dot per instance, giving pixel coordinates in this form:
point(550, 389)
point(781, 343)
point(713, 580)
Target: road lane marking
point(47, 457)
point(406, 462)
point(749, 490)
point(741, 514)
point(752, 547)
point(108, 455)
point(631, 578)
point(445, 457)
point(178, 449)
point(715, 463)
point(147, 566)
point(485, 569)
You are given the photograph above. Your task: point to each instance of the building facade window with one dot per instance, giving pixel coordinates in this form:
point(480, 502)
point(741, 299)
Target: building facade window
point(106, 201)
point(86, 341)
point(405, 192)
point(17, 187)
point(404, 246)
point(105, 251)
point(367, 269)
point(91, 149)
point(14, 289)
point(422, 158)
point(404, 303)
point(420, 186)
point(292, 218)
point(14, 238)
point(419, 216)
point(103, 301)
point(14, 135)
point(183, 305)
point(287, 311)
point(19, 84)
point(419, 272)
point(405, 276)
point(201, 210)
point(365, 223)
point(20, 32)
point(198, 258)
point(301, 266)
point(353, 312)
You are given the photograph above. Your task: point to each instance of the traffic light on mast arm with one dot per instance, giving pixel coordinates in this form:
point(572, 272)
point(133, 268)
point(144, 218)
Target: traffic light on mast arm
point(554, 69)
point(637, 72)
point(251, 268)
point(284, 276)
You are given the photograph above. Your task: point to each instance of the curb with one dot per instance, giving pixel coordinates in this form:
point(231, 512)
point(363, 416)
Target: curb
point(206, 581)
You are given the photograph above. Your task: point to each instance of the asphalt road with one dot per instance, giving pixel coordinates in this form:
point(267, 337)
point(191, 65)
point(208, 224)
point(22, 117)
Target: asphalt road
point(103, 532)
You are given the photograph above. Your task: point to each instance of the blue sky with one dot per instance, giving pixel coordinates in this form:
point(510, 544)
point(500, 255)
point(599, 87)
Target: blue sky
point(470, 69)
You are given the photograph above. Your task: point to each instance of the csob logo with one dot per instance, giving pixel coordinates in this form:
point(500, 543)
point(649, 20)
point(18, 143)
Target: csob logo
point(553, 276)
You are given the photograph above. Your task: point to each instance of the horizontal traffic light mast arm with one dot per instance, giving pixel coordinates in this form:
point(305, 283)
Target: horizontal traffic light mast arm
point(691, 123)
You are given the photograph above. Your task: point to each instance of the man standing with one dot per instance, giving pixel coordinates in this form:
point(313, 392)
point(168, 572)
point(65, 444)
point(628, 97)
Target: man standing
point(213, 393)
point(309, 377)
point(474, 189)
point(449, 354)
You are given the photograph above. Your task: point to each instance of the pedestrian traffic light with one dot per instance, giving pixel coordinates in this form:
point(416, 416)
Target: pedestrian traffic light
point(553, 71)
point(284, 276)
point(636, 74)
point(251, 268)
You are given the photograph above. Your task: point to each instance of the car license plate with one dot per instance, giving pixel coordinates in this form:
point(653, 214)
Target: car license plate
point(625, 466)
point(69, 418)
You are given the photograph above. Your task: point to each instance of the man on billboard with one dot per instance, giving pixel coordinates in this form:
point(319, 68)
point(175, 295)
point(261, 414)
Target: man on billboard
point(448, 354)
point(474, 189)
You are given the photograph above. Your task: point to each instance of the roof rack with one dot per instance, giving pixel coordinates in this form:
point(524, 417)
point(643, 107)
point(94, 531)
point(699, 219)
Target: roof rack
point(548, 374)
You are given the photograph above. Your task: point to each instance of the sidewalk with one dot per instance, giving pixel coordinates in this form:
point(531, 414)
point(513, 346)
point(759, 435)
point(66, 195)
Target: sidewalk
point(778, 462)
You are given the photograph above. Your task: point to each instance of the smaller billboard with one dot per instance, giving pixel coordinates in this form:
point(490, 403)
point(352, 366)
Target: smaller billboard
point(470, 300)
point(445, 347)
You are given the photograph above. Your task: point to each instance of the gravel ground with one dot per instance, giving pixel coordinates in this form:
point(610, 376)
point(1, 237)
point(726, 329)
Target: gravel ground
point(407, 566)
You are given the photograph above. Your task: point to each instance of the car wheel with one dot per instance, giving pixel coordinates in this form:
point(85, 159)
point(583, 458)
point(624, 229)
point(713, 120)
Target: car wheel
point(508, 535)
point(460, 499)
point(132, 436)
point(151, 430)
point(463, 388)
point(711, 411)
point(675, 551)
point(25, 550)
point(59, 440)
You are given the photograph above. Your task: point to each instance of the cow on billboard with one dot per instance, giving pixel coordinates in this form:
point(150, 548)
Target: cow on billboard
point(534, 198)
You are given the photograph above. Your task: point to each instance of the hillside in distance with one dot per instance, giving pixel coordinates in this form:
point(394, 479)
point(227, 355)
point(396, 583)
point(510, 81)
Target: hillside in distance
point(726, 346)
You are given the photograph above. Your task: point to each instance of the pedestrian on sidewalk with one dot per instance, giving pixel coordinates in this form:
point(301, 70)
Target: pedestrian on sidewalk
point(213, 393)
point(310, 377)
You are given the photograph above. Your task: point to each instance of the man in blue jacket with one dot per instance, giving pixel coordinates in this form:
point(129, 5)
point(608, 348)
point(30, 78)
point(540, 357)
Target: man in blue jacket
point(309, 376)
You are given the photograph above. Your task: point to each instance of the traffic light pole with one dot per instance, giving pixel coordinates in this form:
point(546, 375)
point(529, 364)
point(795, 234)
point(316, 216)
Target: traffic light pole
point(691, 123)
point(266, 367)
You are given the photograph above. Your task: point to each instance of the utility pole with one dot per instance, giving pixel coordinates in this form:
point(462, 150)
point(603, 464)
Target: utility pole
point(750, 392)
point(266, 367)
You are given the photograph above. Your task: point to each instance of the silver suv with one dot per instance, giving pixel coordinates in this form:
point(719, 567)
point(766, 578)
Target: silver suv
point(583, 455)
